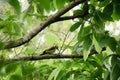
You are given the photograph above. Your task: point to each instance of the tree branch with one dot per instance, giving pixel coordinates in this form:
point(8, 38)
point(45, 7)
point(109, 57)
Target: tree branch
point(52, 56)
point(43, 57)
point(35, 31)
point(82, 15)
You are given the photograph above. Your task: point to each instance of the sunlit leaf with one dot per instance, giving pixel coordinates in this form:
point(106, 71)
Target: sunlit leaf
point(116, 12)
point(60, 75)
point(53, 73)
point(96, 44)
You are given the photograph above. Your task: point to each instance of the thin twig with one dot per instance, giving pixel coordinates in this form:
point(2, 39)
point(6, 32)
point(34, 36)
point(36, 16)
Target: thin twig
point(63, 41)
point(68, 44)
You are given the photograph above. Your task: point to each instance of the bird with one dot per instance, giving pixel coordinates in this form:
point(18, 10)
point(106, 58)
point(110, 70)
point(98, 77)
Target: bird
point(50, 50)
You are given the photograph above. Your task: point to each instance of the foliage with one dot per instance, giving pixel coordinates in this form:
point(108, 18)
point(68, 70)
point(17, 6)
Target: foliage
point(91, 35)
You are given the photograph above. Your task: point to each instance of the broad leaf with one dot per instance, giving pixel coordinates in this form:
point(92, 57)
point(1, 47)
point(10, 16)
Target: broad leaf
point(115, 68)
point(118, 50)
point(75, 26)
point(80, 34)
point(96, 44)
point(84, 31)
point(77, 12)
point(108, 9)
point(104, 3)
point(116, 12)
point(53, 73)
point(112, 44)
point(98, 19)
point(86, 47)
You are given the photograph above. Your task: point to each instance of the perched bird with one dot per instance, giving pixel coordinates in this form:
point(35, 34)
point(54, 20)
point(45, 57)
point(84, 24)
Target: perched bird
point(50, 50)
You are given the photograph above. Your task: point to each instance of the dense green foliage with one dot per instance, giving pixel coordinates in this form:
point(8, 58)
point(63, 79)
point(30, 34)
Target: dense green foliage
point(89, 31)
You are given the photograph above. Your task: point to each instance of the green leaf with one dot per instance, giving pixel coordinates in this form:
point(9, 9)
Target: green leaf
point(60, 75)
point(27, 68)
point(77, 12)
point(87, 30)
point(2, 45)
point(84, 31)
point(113, 59)
point(59, 3)
point(108, 9)
point(96, 44)
point(75, 26)
point(106, 17)
point(115, 73)
point(112, 44)
point(98, 19)
point(104, 41)
point(107, 76)
point(11, 68)
point(86, 47)
point(116, 12)
point(115, 68)
point(17, 29)
point(80, 37)
point(15, 4)
point(104, 3)
point(42, 5)
point(118, 50)
point(118, 61)
point(75, 73)
point(51, 38)
point(15, 77)
point(30, 51)
point(53, 73)
point(98, 71)
point(116, 1)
